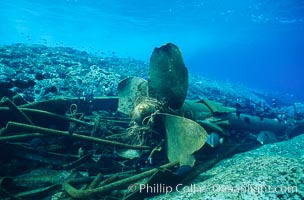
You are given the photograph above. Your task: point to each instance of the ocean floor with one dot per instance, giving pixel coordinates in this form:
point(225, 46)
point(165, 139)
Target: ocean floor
point(273, 171)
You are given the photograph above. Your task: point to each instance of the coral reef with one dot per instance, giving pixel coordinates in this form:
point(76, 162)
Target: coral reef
point(61, 71)
point(37, 72)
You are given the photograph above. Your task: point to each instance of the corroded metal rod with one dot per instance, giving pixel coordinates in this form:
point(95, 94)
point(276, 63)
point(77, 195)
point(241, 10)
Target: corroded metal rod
point(84, 194)
point(20, 137)
point(42, 113)
point(14, 126)
point(19, 113)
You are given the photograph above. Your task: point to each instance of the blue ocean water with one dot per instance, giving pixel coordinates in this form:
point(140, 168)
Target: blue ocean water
point(258, 43)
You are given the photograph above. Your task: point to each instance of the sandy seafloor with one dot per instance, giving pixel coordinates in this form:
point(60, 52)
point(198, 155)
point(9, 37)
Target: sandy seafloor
point(37, 73)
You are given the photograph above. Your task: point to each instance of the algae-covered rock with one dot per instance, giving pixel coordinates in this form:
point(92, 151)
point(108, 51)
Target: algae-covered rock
point(274, 171)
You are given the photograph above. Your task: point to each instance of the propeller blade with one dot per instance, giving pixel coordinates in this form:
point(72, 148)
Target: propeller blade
point(168, 76)
point(184, 137)
point(129, 90)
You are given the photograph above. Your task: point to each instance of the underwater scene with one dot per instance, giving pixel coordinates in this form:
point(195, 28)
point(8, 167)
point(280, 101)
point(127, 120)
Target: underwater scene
point(197, 99)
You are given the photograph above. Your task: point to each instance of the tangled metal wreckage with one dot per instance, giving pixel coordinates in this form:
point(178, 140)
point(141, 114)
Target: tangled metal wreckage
point(97, 148)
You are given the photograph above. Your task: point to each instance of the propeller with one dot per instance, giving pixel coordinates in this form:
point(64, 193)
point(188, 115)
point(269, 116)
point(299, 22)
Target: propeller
point(184, 137)
point(164, 95)
point(129, 90)
point(168, 76)
point(160, 102)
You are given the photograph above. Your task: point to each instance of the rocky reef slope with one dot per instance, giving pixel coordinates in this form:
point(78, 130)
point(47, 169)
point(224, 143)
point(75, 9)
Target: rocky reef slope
point(38, 72)
point(274, 171)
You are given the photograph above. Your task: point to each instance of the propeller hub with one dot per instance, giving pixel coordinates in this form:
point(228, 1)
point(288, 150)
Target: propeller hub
point(143, 111)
